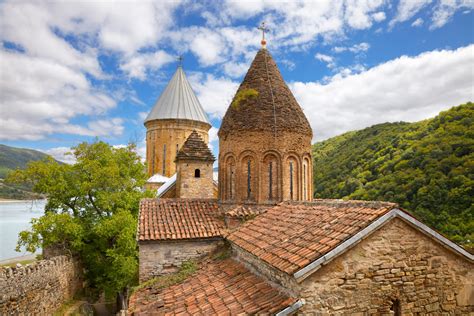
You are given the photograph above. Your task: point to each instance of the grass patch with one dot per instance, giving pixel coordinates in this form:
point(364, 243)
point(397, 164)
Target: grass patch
point(65, 307)
point(243, 96)
point(187, 268)
point(222, 254)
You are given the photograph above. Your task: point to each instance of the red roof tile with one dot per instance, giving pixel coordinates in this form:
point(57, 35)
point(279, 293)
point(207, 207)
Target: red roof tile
point(195, 148)
point(219, 288)
point(171, 219)
point(291, 235)
point(245, 211)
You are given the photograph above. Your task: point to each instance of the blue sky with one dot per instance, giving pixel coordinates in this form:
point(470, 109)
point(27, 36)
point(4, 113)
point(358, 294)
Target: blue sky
point(73, 71)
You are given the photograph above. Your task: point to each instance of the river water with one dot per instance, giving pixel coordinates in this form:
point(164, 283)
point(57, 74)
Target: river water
point(15, 216)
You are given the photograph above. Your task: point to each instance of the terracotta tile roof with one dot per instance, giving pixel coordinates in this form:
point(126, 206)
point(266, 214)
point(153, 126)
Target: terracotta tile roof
point(292, 235)
point(219, 288)
point(245, 211)
point(171, 219)
point(195, 148)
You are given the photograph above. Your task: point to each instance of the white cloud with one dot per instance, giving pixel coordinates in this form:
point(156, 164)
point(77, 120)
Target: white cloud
point(214, 93)
point(106, 127)
point(63, 154)
point(137, 66)
point(356, 48)
point(445, 9)
point(442, 10)
point(142, 116)
point(359, 12)
point(379, 16)
point(403, 89)
point(294, 24)
point(40, 97)
point(213, 139)
point(407, 9)
point(47, 81)
point(329, 60)
point(235, 69)
point(417, 22)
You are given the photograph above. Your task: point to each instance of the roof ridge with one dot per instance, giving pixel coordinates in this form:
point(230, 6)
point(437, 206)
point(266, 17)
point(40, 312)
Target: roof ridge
point(341, 202)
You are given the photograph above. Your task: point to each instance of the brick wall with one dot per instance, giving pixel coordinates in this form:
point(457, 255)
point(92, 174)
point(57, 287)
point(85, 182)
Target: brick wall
point(172, 133)
point(157, 258)
point(262, 148)
point(40, 288)
point(395, 263)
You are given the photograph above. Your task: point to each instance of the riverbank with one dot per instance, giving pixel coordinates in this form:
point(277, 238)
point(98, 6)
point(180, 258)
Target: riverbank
point(2, 200)
point(20, 259)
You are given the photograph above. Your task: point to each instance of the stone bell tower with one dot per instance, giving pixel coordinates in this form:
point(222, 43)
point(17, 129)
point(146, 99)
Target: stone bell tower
point(194, 169)
point(264, 140)
point(176, 114)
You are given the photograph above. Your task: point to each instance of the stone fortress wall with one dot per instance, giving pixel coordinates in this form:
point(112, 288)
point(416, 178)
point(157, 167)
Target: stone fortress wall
point(40, 288)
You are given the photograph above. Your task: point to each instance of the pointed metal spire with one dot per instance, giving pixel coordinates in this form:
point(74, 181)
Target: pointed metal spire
point(178, 101)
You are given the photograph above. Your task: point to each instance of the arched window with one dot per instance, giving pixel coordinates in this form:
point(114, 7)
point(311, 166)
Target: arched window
point(164, 159)
point(291, 181)
point(230, 178)
point(197, 173)
point(152, 158)
point(306, 180)
point(271, 178)
point(305, 187)
point(249, 179)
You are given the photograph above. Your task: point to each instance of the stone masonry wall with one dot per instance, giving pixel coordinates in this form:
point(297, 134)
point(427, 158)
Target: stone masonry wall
point(277, 278)
point(188, 186)
point(396, 263)
point(158, 258)
point(40, 288)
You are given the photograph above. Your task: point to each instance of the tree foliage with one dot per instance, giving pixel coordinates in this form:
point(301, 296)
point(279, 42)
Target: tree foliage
point(427, 167)
point(91, 211)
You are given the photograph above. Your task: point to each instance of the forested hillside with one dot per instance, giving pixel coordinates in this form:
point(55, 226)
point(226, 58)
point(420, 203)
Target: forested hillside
point(12, 158)
point(427, 167)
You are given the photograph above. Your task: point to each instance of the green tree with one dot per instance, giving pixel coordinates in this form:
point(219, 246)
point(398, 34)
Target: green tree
point(91, 211)
point(427, 167)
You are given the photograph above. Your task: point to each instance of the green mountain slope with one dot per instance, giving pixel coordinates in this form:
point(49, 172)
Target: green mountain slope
point(12, 158)
point(427, 167)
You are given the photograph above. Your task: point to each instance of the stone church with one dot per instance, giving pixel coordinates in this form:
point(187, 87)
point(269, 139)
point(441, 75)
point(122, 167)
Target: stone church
point(284, 252)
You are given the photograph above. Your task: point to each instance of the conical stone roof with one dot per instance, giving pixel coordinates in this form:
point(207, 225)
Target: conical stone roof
point(274, 109)
point(194, 148)
point(178, 101)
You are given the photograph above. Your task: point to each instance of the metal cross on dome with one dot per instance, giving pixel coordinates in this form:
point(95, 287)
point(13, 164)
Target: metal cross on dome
point(263, 27)
point(180, 60)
